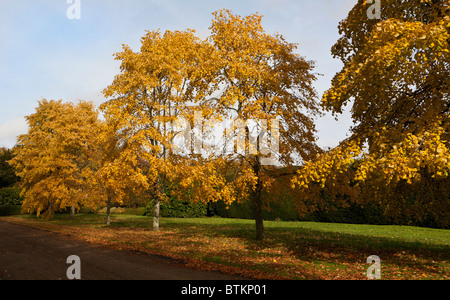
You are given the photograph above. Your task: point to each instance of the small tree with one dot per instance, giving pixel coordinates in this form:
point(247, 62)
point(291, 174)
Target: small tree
point(117, 175)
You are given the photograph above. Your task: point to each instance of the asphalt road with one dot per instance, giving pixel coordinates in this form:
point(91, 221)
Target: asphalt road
point(32, 254)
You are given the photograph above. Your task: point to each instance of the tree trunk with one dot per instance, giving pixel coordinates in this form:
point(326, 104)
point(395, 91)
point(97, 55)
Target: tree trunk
point(108, 211)
point(72, 212)
point(156, 214)
point(257, 201)
point(257, 206)
point(158, 198)
point(48, 215)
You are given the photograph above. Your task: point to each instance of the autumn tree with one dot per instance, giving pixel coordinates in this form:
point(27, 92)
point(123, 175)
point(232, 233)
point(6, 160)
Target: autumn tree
point(155, 88)
point(52, 159)
point(267, 95)
point(395, 77)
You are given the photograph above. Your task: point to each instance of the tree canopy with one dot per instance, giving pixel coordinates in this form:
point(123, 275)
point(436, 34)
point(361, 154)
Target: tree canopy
point(395, 77)
point(53, 158)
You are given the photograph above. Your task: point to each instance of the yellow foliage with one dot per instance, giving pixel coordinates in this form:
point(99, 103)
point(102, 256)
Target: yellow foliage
point(53, 158)
point(395, 75)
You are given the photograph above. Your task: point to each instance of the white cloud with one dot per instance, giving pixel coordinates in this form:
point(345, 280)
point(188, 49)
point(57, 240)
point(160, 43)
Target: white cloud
point(10, 130)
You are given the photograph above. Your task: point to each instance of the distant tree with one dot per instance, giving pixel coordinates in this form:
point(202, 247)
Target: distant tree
point(7, 174)
point(53, 158)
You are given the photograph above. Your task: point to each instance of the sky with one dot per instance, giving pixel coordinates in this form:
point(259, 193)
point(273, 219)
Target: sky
point(46, 51)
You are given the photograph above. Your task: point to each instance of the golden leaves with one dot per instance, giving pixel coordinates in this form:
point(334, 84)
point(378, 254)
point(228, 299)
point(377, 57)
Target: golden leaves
point(52, 159)
point(327, 166)
point(397, 77)
point(263, 78)
point(259, 76)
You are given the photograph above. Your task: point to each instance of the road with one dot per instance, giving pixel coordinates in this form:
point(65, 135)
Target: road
point(33, 254)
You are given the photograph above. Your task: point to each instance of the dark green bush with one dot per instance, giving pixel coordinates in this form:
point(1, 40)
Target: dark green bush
point(178, 209)
point(421, 204)
point(7, 175)
point(353, 214)
point(235, 210)
point(10, 196)
point(9, 210)
point(283, 210)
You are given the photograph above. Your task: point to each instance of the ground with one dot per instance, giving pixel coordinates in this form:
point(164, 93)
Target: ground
point(291, 250)
point(31, 254)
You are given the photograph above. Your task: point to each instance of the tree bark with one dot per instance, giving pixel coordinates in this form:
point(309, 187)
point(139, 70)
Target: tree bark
point(257, 201)
point(156, 214)
point(49, 213)
point(108, 211)
point(257, 206)
point(158, 198)
point(72, 212)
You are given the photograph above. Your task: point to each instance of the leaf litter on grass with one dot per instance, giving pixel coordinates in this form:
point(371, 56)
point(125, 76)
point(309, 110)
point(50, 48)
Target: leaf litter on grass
point(284, 254)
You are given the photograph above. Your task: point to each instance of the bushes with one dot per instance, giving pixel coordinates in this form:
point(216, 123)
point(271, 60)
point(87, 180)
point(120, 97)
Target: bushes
point(353, 214)
point(283, 209)
point(179, 209)
point(422, 204)
point(10, 196)
point(9, 210)
point(275, 210)
point(10, 201)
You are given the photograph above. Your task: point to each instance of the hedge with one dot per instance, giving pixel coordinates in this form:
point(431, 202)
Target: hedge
point(178, 209)
point(10, 210)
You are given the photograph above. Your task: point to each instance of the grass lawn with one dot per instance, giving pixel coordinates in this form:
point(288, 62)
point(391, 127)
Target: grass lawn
point(291, 250)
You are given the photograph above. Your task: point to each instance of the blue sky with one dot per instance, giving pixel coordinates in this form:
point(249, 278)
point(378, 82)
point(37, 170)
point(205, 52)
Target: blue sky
point(44, 54)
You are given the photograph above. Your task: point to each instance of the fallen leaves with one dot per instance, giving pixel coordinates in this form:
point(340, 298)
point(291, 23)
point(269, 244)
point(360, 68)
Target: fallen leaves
point(211, 249)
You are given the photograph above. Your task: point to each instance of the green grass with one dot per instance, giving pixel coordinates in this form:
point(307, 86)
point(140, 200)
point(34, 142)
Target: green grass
point(376, 235)
point(384, 236)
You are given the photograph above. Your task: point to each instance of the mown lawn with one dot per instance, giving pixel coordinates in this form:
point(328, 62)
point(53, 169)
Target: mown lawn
point(291, 250)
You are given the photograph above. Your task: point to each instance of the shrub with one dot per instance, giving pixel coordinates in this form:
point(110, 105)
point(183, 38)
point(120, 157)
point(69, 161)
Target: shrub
point(10, 196)
point(9, 210)
point(178, 209)
point(281, 209)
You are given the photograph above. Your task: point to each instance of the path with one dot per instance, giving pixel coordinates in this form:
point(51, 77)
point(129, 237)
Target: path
point(28, 254)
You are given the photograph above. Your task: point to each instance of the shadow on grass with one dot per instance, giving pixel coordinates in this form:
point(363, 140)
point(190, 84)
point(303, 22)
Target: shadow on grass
point(328, 246)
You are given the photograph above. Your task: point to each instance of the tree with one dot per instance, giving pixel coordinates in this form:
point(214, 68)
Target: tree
point(395, 75)
point(52, 159)
point(7, 175)
point(267, 93)
point(116, 174)
point(156, 86)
